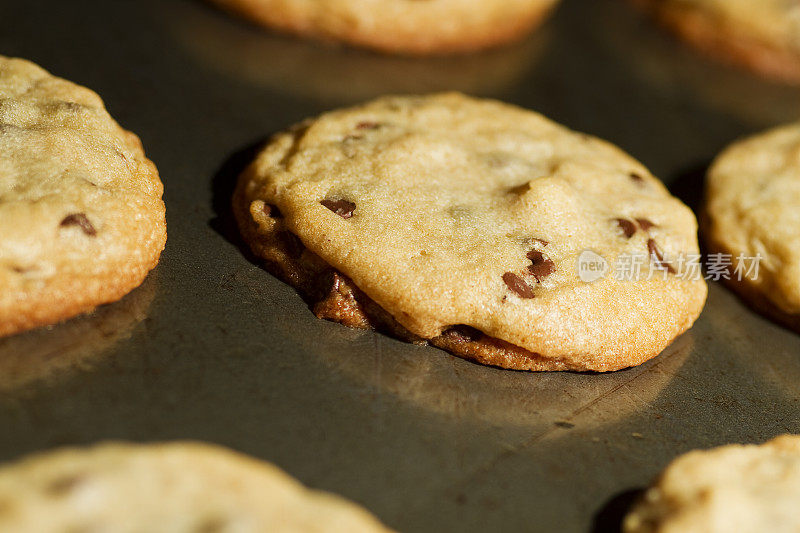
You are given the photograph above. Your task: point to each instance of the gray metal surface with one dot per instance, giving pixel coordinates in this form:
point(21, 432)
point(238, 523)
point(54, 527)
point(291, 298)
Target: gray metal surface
point(213, 348)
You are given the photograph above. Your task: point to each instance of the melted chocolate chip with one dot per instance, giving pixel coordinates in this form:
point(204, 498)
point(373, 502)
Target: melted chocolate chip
point(343, 208)
point(636, 177)
point(80, 220)
point(518, 286)
point(628, 228)
point(465, 333)
point(272, 211)
point(292, 243)
point(658, 257)
point(542, 265)
point(644, 223)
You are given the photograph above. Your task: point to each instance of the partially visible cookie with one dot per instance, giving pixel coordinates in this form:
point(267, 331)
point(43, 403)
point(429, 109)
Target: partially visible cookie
point(462, 222)
point(752, 217)
point(181, 487)
point(81, 216)
point(763, 35)
point(747, 489)
point(400, 26)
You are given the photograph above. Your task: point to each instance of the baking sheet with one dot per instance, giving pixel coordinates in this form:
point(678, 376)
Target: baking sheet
point(214, 348)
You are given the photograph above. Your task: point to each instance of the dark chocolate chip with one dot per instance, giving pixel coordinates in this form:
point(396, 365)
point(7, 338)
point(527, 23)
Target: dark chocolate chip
point(628, 228)
point(518, 286)
point(343, 208)
point(465, 333)
point(658, 257)
point(542, 265)
point(80, 220)
point(644, 223)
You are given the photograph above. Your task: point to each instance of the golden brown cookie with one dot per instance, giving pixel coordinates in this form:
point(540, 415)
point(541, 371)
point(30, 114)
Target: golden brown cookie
point(180, 487)
point(762, 35)
point(751, 219)
point(400, 26)
point(465, 223)
point(81, 216)
point(747, 489)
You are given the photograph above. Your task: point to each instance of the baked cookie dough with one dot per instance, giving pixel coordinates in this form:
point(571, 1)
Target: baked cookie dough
point(81, 216)
point(763, 35)
point(400, 26)
point(461, 222)
point(181, 487)
point(752, 215)
point(732, 488)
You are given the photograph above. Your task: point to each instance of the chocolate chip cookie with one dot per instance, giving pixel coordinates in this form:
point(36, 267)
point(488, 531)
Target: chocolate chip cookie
point(476, 226)
point(180, 487)
point(81, 216)
point(400, 26)
point(763, 35)
point(752, 216)
point(730, 488)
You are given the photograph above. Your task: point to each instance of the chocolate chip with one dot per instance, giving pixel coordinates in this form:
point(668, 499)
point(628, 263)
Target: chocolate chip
point(80, 220)
point(636, 177)
point(518, 286)
point(272, 211)
point(658, 257)
point(644, 223)
point(542, 265)
point(367, 125)
point(343, 208)
point(627, 227)
point(465, 333)
point(541, 241)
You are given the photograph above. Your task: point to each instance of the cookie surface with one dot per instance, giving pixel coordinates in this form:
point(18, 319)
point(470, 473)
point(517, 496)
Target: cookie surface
point(730, 488)
point(81, 216)
point(763, 35)
point(460, 222)
point(400, 26)
point(753, 211)
point(181, 487)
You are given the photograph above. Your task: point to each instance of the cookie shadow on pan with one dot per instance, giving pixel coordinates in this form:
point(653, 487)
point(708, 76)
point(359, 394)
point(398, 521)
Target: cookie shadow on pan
point(434, 380)
point(223, 185)
point(335, 74)
point(671, 69)
point(688, 185)
point(52, 353)
point(611, 515)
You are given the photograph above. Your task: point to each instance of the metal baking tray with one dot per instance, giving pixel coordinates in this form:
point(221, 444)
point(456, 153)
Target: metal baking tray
point(212, 347)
